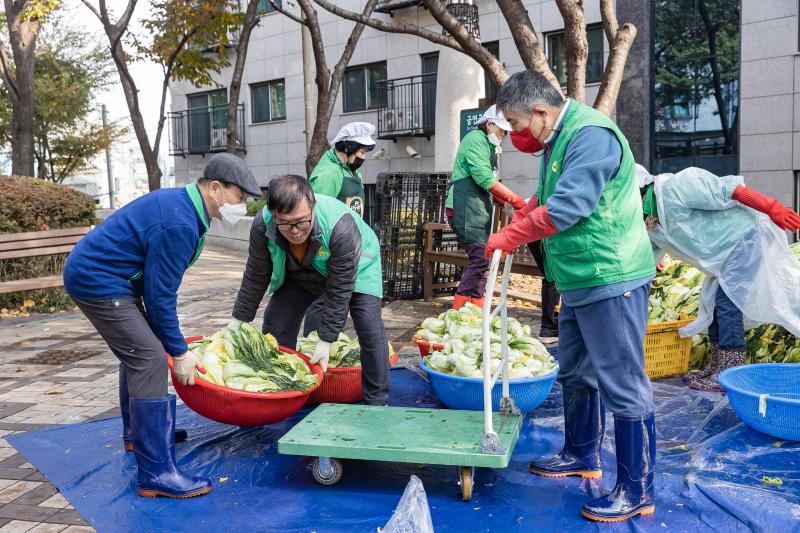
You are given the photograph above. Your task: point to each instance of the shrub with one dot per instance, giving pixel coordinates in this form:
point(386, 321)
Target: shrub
point(254, 206)
point(28, 204)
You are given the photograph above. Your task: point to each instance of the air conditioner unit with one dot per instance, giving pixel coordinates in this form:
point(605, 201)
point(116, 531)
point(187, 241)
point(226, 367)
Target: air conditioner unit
point(389, 120)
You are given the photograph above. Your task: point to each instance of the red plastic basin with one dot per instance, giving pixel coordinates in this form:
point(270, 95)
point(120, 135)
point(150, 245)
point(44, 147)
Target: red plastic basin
point(342, 385)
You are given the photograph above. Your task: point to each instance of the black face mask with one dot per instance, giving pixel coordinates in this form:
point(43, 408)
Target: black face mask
point(355, 165)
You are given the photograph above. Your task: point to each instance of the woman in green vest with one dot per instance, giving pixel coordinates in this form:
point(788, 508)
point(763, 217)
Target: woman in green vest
point(337, 174)
point(474, 184)
point(588, 215)
point(304, 247)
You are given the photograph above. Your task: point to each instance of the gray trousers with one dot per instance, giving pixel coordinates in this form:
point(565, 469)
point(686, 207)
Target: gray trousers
point(123, 325)
point(285, 312)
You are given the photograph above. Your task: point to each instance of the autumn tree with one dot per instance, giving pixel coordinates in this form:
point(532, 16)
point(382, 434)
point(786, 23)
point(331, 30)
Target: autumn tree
point(328, 81)
point(530, 49)
point(71, 69)
point(178, 36)
point(23, 19)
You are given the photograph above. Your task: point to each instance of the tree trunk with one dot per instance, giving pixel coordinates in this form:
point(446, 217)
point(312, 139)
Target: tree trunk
point(22, 37)
point(577, 47)
point(251, 19)
point(620, 40)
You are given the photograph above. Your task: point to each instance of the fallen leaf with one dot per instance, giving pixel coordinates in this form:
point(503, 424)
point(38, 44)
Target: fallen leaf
point(54, 392)
point(778, 444)
point(223, 479)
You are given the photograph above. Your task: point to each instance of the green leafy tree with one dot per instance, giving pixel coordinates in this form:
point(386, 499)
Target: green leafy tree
point(179, 36)
point(71, 70)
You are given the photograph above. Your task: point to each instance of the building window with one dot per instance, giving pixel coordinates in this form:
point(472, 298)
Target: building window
point(361, 88)
point(696, 57)
point(268, 101)
point(556, 53)
point(265, 7)
point(490, 89)
point(207, 120)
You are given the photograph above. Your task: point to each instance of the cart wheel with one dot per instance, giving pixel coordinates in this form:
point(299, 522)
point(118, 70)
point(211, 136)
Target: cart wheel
point(331, 477)
point(467, 472)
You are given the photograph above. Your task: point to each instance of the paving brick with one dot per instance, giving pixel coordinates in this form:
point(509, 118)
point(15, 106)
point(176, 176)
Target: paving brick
point(38, 495)
point(31, 513)
point(56, 500)
point(17, 526)
point(17, 489)
point(66, 516)
point(79, 529)
point(48, 528)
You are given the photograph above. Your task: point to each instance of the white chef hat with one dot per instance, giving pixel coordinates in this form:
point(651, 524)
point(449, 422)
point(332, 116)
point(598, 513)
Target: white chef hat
point(495, 116)
point(360, 132)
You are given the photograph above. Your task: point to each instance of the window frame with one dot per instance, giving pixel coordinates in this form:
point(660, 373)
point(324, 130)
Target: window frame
point(370, 106)
point(269, 85)
point(267, 7)
point(589, 27)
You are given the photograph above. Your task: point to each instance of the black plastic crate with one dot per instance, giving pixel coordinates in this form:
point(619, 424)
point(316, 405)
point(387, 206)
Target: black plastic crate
point(406, 202)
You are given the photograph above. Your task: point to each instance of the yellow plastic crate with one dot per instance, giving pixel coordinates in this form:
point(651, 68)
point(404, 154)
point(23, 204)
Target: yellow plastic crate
point(665, 352)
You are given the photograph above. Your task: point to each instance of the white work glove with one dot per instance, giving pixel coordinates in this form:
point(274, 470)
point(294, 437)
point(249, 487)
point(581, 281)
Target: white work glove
point(235, 322)
point(321, 355)
point(184, 366)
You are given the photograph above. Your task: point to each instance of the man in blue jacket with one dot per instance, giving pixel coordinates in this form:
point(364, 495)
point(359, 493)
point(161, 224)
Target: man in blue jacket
point(124, 276)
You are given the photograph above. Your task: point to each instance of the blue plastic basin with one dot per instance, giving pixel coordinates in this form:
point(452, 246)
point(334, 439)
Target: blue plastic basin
point(779, 383)
point(467, 393)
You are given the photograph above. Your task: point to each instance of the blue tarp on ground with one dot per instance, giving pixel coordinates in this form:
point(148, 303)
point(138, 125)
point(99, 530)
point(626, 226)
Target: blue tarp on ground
point(710, 477)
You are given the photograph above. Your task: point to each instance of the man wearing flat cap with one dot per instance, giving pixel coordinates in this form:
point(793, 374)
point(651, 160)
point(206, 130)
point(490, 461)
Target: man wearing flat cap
point(124, 275)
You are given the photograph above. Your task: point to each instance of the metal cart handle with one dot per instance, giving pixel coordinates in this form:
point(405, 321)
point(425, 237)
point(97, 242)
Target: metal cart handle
point(490, 441)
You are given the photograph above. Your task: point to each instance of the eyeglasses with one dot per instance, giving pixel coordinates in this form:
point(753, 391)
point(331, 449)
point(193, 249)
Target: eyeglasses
point(301, 225)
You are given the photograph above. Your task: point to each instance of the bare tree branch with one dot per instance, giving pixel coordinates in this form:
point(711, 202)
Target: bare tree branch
point(5, 71)
point(612, 75)
point(279, 8)
point(608, 12)
point(530, 49)
point(93, 9)
point(410, 29)
point(312, 22)
point(577, 47)
point(251, 20)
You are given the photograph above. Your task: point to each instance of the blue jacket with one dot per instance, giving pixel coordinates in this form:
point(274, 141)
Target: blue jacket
point(142, 250)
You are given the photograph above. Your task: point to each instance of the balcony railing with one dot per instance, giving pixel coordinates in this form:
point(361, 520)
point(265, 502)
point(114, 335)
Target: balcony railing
point(410, 107)
point(387, 6)
point(203, 130)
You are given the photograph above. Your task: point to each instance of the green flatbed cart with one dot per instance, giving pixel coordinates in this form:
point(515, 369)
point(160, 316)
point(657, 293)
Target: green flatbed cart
point(417, 435)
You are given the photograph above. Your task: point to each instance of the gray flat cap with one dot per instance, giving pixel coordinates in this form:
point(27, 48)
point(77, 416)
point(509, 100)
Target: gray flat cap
point(228, 168)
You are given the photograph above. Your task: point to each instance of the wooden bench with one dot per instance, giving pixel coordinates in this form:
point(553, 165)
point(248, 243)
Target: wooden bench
point(523, 262)
point(37, 244)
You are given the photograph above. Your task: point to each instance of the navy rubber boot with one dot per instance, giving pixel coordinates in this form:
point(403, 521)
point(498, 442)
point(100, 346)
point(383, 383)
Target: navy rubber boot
point(153, 428)
point(124, 409)
point(584, 426)
point(634, 493)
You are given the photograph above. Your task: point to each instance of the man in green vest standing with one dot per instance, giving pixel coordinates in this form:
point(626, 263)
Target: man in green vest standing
point(588, 215)
point(337, 174)
point(305, 246)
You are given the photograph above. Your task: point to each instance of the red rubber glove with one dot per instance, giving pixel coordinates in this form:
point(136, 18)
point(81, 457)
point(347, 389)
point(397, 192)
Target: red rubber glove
point(660, 266)
point(519, 214)
point(503, 193)
point(533, 227)
point(783, 217)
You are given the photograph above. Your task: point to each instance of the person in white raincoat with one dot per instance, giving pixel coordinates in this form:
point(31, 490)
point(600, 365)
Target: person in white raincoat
point(735, 235)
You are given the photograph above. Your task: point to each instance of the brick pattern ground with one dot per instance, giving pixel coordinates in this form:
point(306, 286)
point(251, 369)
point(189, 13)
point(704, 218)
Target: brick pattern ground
point(34, 395)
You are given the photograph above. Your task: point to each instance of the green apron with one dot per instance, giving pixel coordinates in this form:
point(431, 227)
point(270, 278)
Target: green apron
point(472, 205)
point(333, 178)
point(352, 194)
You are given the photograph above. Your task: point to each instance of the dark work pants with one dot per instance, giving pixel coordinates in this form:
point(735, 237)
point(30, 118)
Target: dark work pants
point(473, 282)
point(123, 325)
point(727, 328)
point(550, 294)
point(601, 347)
point(285, 312)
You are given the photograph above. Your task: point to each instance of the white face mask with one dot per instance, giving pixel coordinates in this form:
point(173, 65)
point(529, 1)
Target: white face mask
point(231, 213)
point(494, 139)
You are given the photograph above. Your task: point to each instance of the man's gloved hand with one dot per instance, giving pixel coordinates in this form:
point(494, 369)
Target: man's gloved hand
point(184, 366)
point(503, 193)
point(781, 216)
point(530, 205)
point(660, 266)
point(321, 355)
point(533, 227)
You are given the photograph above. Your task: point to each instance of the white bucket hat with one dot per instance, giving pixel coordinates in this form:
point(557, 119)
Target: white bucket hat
point(495, 117)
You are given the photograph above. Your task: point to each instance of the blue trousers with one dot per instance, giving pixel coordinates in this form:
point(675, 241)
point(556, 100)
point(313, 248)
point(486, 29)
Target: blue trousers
point(727, 328)
point(601, 347)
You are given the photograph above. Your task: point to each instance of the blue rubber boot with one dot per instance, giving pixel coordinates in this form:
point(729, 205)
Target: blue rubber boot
point(584, 426)
point(153, 428)
point(634, 493)
point(124, 409)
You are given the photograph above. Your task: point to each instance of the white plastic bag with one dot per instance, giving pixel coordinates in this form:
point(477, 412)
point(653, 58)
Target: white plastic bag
point(412, 514)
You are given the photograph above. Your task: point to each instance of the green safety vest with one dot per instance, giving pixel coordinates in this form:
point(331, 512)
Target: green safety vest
point(197, 201)
point(468, 194)
point(610, 245)
point(333, 178)
point(327, 212)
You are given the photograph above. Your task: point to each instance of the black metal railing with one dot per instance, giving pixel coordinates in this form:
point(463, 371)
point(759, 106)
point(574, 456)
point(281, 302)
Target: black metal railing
point(387, 6)
point(203, 130)
point(409, 108)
